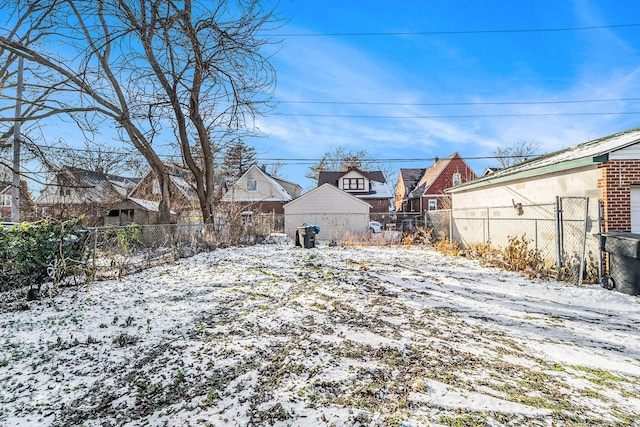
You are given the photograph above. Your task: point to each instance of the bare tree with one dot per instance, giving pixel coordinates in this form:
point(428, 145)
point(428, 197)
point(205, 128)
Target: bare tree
point(27, 28)
point(195, 69)
point(341, 160)
point(93, 157)
point(516, 153)
point(275, 167)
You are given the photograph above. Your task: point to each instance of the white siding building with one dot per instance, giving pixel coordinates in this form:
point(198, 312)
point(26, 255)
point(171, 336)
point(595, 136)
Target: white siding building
point(337, 213)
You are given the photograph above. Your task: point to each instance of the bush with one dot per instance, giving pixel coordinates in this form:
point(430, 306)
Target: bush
point(516, 256)
point(31, 253)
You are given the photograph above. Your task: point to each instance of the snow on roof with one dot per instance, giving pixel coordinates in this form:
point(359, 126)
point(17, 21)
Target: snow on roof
point(183, 185)
point(147, 204)
point(379, 190)
point(590, 149)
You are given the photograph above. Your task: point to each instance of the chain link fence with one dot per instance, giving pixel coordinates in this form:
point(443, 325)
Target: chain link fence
point(118, 251)
point(557, 231)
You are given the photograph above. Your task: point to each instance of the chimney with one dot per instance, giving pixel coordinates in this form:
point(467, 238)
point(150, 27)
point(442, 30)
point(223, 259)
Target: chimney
point(264, 168)
point(436, 159)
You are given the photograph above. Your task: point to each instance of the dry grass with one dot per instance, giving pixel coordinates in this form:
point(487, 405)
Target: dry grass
point(516, 256)
point(422, 236)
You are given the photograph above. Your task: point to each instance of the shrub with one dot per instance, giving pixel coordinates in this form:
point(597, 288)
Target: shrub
point(449, 247)
point(30, 253)
point(422, 236)
point(128, 237)
point(519, 257)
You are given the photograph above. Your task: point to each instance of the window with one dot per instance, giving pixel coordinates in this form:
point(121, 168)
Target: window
point(6, 200)
point(353, 184)
point(252, 185)
point(155, 187)
point(247, 218)
point(457, 179)
point(433, 204)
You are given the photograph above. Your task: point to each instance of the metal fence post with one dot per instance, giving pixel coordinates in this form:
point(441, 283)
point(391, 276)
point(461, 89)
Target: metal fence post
point(584, 241)
point(488, 237)
point(559, 232)
point(95, 246)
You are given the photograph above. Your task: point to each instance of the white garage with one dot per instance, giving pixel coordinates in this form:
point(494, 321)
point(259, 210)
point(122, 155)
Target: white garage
point(337, 213)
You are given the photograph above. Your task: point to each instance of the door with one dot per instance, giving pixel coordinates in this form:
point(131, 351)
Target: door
point(635, 208)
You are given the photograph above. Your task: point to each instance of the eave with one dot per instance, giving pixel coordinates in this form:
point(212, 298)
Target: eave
point(558, 167)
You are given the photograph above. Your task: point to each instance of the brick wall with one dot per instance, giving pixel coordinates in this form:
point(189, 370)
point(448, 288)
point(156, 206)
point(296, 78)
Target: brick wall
point(617, 178)
point(262, 207)
point(378, 205)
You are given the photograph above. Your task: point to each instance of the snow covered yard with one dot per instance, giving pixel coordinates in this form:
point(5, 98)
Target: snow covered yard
point(285, 336)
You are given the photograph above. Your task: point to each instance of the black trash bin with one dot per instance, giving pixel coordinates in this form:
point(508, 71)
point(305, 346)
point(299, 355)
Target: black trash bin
point(624, 260)
point(306, 235)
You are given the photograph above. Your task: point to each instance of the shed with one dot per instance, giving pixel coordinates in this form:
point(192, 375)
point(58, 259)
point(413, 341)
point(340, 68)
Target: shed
point(336, 212)
point(134, 210)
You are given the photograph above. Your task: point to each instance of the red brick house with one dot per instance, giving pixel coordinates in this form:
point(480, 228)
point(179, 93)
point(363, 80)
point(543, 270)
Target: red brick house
point(428, 193)
point(26, 202)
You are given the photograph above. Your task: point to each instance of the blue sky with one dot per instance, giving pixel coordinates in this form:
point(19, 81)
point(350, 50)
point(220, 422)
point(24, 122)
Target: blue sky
point(468, 56)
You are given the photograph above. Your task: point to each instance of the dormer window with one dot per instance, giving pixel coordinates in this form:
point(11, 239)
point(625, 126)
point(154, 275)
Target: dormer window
point(457, 179)
point(353, 184)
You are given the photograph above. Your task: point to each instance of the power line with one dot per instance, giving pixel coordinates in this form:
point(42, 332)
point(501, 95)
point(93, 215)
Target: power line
point(432, 104)
point(462, 32)
point(455, 116)
point(303, 160)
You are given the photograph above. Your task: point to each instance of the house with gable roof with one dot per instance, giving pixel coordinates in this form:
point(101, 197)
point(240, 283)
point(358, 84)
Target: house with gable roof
point(604, 170)
point(408, 179)
point(370, 187)
point(74, 192)
point(428, 193)
point(138, 211)
point(258, 191)
point(184, 199)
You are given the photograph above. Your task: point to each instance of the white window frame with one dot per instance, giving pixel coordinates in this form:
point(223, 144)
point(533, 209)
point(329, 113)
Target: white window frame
point(6, 200)
point(252, 185)
point(355, 184)
point(432, 204)
point(155, 187)
point(456, 179)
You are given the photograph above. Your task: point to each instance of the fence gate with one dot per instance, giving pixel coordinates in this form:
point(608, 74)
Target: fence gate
point(572, 219)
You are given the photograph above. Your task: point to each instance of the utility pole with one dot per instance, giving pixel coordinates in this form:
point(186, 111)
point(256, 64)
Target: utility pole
point(15, 185)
